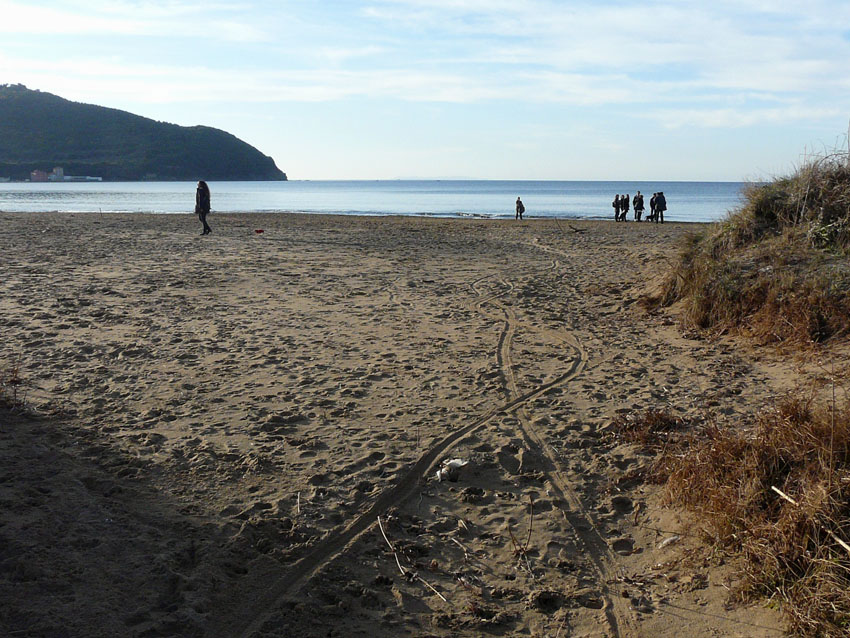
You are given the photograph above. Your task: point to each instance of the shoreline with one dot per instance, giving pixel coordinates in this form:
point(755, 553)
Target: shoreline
point(221, 420)
point(687, 201)
point(459, 216)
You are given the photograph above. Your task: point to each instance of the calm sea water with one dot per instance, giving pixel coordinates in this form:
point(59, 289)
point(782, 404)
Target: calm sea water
point(686, 201)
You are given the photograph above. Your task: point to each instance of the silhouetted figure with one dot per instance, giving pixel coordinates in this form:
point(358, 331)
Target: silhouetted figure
point(202, 205)
point(520, 208)
point(637, 204)
point(616, 205)
point(660, 207)
point(652, 201)
point(624, 207)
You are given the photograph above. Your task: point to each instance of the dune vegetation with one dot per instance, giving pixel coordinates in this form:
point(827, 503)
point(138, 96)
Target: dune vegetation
point(775, 490)
point(776, 269)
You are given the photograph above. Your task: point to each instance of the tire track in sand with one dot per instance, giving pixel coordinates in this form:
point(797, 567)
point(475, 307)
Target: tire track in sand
point(270, 590)
point(617, 613)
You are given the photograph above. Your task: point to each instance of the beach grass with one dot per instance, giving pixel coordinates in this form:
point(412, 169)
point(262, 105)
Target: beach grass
point(777, 494)
point(776, 269)
point(775, 489)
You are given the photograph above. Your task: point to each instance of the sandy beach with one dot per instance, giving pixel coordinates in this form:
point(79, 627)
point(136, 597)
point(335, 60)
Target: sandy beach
point(238, 435)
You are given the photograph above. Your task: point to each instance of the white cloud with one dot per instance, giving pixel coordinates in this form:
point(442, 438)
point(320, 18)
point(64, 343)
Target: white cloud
point(739, 118)
point(629, 38)
point(35, 19)
point(335, 56)
point(111, 19)
point(90, 79)
point(685, 63)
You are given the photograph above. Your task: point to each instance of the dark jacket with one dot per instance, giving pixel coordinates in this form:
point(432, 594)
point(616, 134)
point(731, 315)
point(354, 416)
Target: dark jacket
point(202, 200)
point(637, 202)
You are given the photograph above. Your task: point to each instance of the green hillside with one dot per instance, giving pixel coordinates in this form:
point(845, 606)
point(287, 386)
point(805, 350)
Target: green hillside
point(40, 131)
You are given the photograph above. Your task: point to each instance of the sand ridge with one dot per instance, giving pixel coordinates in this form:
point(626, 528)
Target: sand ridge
point(242, 407)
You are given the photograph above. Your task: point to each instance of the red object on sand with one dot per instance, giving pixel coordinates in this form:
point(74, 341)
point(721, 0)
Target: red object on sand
point(259, 231)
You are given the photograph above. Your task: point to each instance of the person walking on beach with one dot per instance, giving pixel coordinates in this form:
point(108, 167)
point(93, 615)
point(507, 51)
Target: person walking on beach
point(652, 201)
point(202, 205)
point(624, 207)
point(520, 208)
point(660, 207)
point(616, 205)
point(637, 204)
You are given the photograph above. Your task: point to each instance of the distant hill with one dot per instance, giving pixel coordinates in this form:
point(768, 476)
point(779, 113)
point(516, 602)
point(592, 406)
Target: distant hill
point(41, 131)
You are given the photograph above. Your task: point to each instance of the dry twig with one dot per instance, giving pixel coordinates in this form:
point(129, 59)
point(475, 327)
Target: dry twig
point(521, 551)
point(410, 574)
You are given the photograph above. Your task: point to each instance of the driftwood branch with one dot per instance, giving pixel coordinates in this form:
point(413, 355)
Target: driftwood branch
point(572, 228)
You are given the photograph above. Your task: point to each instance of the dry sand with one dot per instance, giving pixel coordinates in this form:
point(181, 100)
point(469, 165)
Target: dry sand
point(222, 420)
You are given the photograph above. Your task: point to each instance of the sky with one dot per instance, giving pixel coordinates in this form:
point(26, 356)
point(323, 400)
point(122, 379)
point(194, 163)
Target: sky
point(726, 90)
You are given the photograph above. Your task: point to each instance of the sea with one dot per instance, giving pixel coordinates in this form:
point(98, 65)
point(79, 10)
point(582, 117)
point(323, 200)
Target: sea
point(686, 201)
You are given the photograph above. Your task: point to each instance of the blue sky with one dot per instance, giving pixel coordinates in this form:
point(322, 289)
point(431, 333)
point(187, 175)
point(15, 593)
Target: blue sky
point(490, 89)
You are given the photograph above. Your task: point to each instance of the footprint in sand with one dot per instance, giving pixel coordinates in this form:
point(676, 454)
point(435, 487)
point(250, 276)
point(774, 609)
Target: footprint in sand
point(623, 546)
point(364, 486)
point(622, 505)
point(508, 459)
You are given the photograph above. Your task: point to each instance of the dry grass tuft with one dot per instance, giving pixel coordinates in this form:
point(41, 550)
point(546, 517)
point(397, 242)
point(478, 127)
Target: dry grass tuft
point(651, 429)
point(793, 551)
point(775, 491)
point(777, 268)
point(12, 393)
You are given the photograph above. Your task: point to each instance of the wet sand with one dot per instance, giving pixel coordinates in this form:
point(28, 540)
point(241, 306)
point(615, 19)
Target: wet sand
point(222, 421)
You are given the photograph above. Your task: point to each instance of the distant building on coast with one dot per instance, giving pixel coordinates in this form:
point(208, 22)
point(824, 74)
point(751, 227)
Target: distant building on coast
point(58, 175)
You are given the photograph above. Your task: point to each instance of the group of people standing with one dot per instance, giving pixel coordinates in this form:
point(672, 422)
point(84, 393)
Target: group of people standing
point(621, 204)
point(657, 206)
